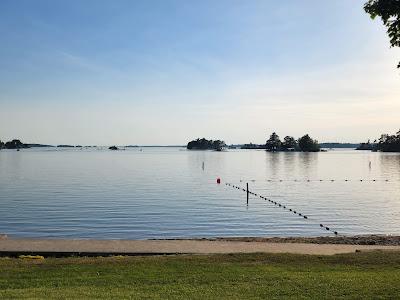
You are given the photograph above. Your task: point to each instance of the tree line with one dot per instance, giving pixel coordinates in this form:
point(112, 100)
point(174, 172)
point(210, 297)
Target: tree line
point(14, 144)
point(204, 144)
point(388, 143)
point(289, 143)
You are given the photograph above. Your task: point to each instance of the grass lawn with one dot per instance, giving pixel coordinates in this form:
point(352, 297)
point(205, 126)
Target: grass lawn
point(240, 276)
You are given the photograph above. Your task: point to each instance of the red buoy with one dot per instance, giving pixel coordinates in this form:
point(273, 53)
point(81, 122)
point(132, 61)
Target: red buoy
point(218, 180)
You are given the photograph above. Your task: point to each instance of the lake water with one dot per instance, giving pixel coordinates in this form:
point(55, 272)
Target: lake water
point(166, 193)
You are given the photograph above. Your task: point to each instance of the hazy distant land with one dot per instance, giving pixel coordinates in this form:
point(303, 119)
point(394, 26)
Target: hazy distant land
point(386, 143)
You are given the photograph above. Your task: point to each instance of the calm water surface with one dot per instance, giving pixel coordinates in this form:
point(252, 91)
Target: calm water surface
point(165, 193)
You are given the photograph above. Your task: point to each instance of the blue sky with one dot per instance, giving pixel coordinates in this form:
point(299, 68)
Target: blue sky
point(164, 72)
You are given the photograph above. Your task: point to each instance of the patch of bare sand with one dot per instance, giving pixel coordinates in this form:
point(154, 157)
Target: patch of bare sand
point(141, 247)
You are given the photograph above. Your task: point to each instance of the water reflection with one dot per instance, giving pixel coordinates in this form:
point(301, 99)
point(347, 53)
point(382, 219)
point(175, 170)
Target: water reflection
point(205, 160)
point(390, 164)
point(11, 163)
point(289, 162)
point(308, 163)
point(273, 162)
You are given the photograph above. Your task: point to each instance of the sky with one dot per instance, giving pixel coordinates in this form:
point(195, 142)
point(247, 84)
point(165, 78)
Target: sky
point(165, 72)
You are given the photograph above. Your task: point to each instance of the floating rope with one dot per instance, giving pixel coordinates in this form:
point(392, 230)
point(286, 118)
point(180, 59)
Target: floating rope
point(280, 205)
point(320, 180)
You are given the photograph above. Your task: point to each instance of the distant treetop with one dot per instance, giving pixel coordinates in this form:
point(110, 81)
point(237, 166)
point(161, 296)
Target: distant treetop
point(204, 144)
point(389, 143)
point(305, 144)
point(273, 143)
point(14, 144)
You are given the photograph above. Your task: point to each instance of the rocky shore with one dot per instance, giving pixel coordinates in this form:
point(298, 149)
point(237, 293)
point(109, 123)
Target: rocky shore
point(383, 240)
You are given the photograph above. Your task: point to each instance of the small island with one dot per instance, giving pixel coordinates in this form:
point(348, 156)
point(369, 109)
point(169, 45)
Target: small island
point(14, 144)
point(204, 144)
point(366, 146)
point(388, 143)
point(289, 143)
point(339, 145)
point(252, 146)
point(273, 144)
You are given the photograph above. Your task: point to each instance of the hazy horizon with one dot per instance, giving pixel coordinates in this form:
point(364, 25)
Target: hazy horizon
point(158, 145)
point(167, 72)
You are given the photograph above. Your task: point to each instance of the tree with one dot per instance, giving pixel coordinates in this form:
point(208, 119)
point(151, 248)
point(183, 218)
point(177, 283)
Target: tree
point(199, 144)
point(273, 143)
point(289, 143)
point(15, 144)
point(307, 144)
point(389, 143)
point(389, 11)
point(1, 145)
point(218, 145)
point(204, 144)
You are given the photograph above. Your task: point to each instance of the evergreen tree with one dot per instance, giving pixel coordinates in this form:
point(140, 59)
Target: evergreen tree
point(389, 143)
point(289, 143)
point(307, 144)
point(273, 143)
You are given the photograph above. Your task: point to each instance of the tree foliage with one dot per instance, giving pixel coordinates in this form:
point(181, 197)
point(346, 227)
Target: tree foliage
point(389, 143)
point(389, 11)
point(289, 143)
point(14, 144)
point(273, 143)
point(204, 144)
point(307, 144)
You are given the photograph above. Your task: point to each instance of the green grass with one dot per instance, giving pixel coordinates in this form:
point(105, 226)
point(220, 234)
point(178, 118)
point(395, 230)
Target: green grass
point(369, 275)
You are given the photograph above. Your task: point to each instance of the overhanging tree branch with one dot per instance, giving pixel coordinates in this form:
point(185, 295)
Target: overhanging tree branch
point(389, 11)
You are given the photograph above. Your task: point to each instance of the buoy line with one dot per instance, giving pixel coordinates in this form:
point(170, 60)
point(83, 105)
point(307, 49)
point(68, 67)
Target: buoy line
point(320, 180)
point(285, 207)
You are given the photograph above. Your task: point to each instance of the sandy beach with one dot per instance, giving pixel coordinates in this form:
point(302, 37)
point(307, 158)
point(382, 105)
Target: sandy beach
point(11, 246)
